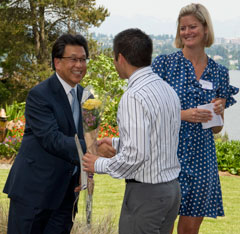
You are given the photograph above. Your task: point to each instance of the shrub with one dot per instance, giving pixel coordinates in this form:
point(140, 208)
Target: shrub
point(8, 150)
point(4, 92)
point(108, 131)
point(15, 110)
point(221, 138)
point(228, 156)
point(103, 77)
point(10, 146)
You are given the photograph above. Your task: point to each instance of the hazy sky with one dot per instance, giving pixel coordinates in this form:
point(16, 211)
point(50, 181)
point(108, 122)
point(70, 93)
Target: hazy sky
point(159, 16)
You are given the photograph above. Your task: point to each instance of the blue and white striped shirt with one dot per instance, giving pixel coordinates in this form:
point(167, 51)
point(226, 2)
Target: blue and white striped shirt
point(149, 122)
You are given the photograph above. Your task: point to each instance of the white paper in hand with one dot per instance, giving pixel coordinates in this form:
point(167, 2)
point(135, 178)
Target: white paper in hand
point(215, 121)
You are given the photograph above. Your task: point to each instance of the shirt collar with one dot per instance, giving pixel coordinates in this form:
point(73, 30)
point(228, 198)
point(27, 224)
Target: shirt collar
point(138, 74)
point(65, 85)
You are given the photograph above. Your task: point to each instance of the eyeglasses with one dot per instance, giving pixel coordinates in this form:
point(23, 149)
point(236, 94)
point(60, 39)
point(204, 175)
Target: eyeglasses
point(75, 60)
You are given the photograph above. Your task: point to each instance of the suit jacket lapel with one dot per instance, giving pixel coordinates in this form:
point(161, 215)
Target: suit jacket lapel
point(62, 98)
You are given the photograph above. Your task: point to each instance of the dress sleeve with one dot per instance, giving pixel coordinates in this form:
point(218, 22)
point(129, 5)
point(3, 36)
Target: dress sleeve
point(159, 65)
point(226, 90)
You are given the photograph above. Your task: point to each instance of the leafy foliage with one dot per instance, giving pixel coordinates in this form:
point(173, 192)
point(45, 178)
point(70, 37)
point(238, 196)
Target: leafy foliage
point(228, 156)
point(16, 124)
point(104, 79)
point(27, 38)
point(9, 148)
point(219, 137)
point(15, 111)
point(4, 92)
point(106, 130)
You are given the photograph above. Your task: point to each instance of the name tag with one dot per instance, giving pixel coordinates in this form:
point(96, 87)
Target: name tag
point(206, 84)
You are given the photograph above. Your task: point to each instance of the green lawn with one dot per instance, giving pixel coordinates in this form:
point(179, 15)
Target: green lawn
point(108, 196)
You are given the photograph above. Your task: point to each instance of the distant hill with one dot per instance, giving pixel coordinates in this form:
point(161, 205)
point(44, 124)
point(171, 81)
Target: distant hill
point(225, 51)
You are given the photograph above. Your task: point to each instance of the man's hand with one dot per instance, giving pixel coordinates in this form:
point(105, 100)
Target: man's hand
point(88, 162)
point(106, 140)
point(77, 189)
point(105, 150)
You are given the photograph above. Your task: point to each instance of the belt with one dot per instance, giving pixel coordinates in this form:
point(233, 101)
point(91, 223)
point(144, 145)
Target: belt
point(132, 181)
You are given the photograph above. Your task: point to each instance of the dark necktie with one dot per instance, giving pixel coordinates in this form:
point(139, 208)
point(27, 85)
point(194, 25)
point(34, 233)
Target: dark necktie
point(75, 108)
point(75, 111)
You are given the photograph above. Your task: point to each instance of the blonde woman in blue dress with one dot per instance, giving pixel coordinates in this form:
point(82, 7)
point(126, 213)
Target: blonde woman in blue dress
point(198, 80)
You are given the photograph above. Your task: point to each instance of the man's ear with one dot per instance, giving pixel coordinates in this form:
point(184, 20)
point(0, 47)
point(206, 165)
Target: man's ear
point(56, 62)
point(121, 59)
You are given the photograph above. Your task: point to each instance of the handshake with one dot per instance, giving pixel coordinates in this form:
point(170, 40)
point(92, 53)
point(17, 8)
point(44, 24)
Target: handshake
point(104, 149)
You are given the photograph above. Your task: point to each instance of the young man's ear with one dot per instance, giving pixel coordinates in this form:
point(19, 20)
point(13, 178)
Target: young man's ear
point(121, 59)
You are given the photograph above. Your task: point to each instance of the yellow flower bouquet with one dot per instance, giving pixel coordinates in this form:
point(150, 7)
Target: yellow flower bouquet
point(92, 109)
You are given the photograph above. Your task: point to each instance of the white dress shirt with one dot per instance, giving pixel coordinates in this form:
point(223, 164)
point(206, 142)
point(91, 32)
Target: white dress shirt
point(67, 88)
point(149, 122)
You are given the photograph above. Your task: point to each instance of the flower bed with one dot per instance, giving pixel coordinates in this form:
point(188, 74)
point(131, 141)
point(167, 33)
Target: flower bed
point(10, 146)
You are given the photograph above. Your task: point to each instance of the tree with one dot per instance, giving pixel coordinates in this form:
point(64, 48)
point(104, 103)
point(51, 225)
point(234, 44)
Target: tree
point(104, 78)
point(27, 30)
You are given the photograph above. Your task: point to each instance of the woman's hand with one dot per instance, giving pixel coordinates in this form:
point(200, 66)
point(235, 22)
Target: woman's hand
point(219, 105)
point(195, 115)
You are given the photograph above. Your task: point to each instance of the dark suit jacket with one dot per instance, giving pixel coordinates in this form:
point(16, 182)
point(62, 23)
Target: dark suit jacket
point(42, 170)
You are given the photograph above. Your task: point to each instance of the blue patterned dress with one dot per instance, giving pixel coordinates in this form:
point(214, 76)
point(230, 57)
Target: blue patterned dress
point(200, 185)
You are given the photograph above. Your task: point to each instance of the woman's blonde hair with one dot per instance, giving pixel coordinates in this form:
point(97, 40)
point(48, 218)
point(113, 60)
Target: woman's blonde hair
point(201, 13)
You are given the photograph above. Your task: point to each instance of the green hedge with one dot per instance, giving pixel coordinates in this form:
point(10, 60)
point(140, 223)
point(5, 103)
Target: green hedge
point(228, 156)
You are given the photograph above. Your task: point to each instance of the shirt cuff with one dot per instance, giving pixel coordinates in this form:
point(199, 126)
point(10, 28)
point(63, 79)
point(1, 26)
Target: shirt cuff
point(100, 165)
point(115, 143)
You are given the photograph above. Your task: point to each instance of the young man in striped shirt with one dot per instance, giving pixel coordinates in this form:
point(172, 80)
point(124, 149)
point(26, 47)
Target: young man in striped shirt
point(146, 151)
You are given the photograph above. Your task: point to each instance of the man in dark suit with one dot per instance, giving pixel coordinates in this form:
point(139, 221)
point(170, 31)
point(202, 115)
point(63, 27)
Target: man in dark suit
point(44, 177)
